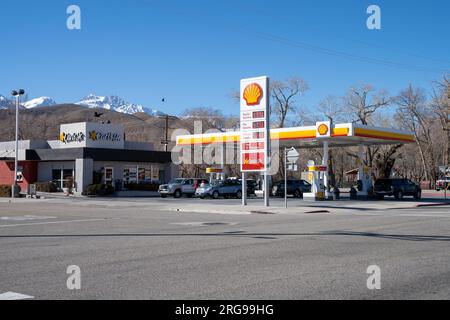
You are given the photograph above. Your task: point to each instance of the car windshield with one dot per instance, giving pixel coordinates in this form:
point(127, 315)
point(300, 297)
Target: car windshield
point(176, 181)
point(383, 182)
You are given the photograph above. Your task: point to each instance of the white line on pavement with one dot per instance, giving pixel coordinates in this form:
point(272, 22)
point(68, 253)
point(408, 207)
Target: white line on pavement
point(27, 217)
point(55, 222)
point(14, 296)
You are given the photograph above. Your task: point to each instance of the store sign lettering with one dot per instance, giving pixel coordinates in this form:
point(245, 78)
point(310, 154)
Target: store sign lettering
point(100, 136)
point(72, 137)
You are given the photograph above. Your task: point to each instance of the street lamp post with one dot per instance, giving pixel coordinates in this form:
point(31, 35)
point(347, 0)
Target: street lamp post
point(16, 94)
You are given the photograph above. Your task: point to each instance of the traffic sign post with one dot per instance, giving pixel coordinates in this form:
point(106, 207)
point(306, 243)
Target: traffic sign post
point(255, 135)
point(290, 159)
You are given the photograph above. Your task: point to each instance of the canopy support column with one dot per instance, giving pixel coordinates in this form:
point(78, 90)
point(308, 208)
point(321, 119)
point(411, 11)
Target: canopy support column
point(364, 179)
point(325, 160)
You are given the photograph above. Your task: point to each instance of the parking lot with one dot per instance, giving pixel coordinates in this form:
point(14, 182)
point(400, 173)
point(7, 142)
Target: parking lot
point(147, 249)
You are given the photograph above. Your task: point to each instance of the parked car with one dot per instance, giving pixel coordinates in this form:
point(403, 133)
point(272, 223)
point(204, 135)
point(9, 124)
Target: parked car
point(251, 187)
point(443, 183)
point(180, 186)
point(294, 187)
point(227, 188)
point(397, 188)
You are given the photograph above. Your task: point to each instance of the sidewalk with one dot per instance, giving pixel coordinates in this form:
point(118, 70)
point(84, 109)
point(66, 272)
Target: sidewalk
point(305, 208)
point(233, 206)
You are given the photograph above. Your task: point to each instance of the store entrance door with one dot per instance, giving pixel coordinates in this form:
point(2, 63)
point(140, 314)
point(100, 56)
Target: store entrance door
point(109, 175)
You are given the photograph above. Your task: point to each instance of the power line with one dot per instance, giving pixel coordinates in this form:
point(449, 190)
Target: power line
point(368, 44)
point(319, 49)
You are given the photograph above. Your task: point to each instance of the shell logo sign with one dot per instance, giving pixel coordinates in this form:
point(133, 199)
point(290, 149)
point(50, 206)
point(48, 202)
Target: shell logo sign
point(253, 94)
point(254, 137)
point(322, 129)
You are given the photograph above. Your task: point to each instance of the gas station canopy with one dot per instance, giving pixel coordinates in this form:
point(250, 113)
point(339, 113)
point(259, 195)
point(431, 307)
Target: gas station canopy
point(345, 134)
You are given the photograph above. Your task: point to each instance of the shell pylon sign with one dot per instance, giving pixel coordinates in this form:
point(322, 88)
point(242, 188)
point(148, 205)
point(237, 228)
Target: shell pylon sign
point(255, 139)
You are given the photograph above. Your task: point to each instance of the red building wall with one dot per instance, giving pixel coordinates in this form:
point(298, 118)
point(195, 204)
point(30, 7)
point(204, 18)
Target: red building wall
point(29, 173)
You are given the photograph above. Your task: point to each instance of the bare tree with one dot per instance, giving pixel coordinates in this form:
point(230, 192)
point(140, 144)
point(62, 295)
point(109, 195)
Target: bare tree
point(332, 108)
point(283, 95)
point(415, 115)
point(363, 101)
point(441, 106)
point(210, 118)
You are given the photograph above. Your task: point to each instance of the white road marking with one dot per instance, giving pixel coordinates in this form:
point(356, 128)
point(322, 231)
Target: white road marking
point(14, 296)
point(204, 224)
point(27, 217)
point(399, 214)
point(54, 222)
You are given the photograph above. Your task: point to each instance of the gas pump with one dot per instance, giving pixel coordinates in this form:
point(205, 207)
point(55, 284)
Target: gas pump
point(364, 181)
point(316, 176)
point(215, 174)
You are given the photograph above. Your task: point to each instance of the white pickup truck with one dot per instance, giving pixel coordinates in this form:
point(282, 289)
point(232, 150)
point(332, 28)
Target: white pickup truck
point(180, 186)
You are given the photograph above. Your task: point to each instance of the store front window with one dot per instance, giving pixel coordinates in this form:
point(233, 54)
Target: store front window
point(62, 176)
point(141, 174)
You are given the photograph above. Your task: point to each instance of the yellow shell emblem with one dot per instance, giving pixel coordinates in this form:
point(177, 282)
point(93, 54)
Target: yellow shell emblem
point(323, 129)
point(62, 137)
point(253, 94)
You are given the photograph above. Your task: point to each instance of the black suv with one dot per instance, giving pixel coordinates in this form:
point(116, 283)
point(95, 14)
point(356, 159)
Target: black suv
point(397, 188)
point(294, 187)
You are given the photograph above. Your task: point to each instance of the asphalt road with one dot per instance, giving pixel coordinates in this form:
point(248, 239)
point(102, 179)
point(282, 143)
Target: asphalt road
point(138, 252)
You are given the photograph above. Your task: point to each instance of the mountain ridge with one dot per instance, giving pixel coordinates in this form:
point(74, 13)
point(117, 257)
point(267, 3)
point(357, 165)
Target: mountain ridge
point(112, 102)
point(42, 123)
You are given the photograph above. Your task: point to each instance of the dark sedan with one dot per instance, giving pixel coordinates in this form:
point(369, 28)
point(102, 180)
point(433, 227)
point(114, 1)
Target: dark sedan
point(295, 188)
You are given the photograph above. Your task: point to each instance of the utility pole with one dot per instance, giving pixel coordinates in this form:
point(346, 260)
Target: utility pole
point(16, 94)
point(166, 141)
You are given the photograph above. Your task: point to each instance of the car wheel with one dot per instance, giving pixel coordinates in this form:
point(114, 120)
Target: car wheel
point(418, 195)
point(215, 195)
point(202, 197)
point(399, 195)
point(163, 195)
point(380, 196)
point(239, 194)
point(177, 194)
point(298, 193)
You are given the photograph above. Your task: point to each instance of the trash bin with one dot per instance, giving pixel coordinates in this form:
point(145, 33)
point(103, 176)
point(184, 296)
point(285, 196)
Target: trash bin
point(353, 193)
point(15, 191)
point(31, 190)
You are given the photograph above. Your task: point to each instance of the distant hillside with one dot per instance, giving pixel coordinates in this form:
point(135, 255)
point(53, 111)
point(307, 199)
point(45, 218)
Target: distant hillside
point(112, 103)
point(43, 123)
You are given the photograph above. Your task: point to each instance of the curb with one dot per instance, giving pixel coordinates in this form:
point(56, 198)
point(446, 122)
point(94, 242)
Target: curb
point(432, 204)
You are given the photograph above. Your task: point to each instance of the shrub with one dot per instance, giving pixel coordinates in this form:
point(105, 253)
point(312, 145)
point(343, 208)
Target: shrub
point(46, 187)
point(99, 190)
point(5, 191)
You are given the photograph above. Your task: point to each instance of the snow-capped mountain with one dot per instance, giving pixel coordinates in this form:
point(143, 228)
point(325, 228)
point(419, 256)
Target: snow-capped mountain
point(4, 102)
point(39, 102)
point(116, 103)
point(113, 103)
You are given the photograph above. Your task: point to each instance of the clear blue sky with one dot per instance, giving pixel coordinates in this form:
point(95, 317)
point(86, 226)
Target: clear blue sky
point(194, 53)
